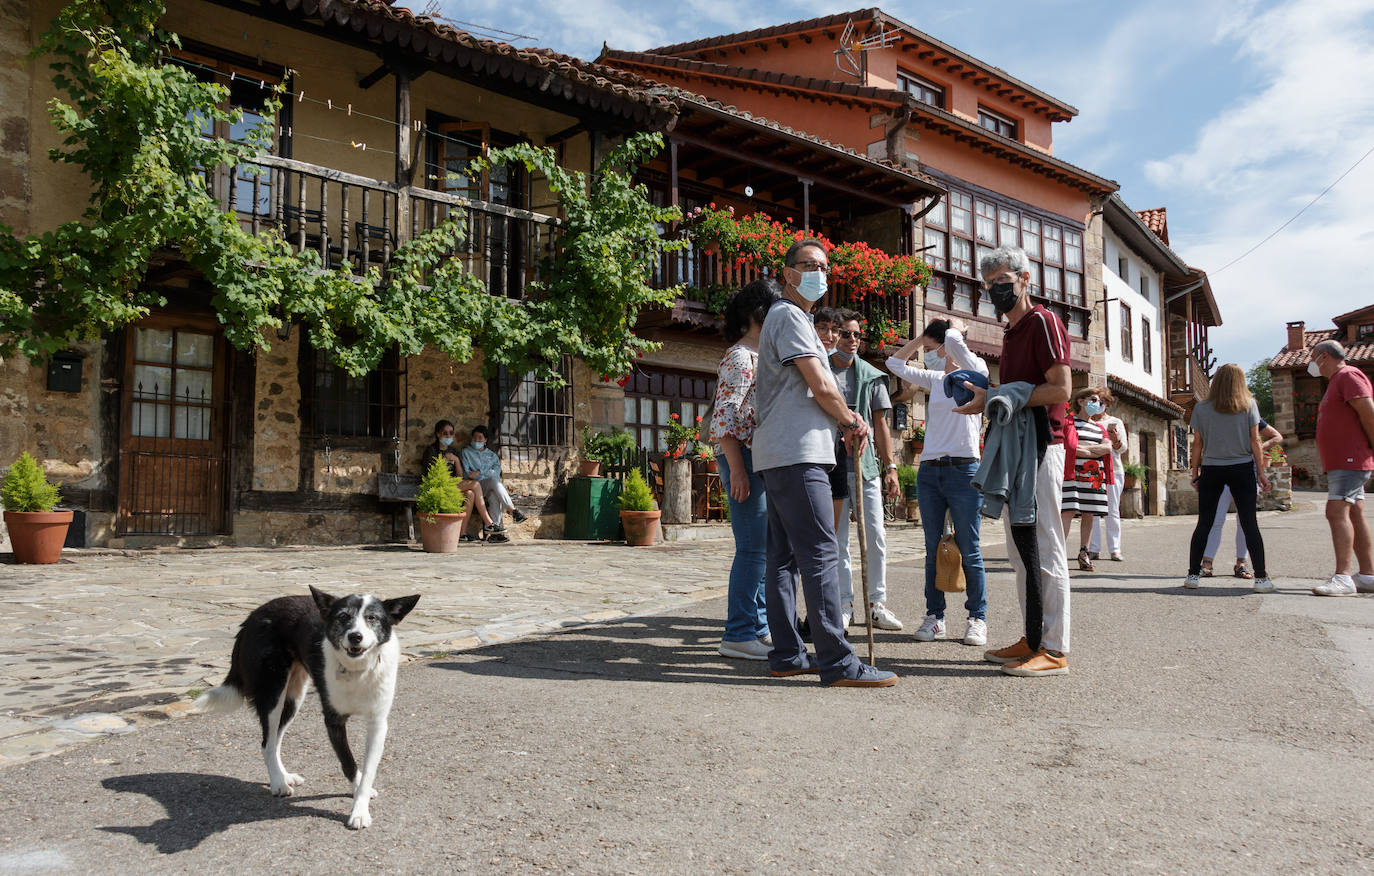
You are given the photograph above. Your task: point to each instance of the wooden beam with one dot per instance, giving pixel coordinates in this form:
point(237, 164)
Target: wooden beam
point(374, 77)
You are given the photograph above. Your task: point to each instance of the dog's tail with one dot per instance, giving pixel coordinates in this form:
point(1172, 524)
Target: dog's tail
point(225, 698)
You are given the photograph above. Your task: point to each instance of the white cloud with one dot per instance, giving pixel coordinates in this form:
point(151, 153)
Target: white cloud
point(1269, 153)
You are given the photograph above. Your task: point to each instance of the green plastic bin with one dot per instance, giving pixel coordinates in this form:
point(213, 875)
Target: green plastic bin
point(593, 510)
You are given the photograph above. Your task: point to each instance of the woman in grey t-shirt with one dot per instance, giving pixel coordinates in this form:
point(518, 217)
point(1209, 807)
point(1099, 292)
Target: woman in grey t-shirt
point(1227, 455)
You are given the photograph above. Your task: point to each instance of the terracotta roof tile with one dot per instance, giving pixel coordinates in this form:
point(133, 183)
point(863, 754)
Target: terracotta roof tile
point(1157, 221)
point(1359, 353)
point(1130, 392)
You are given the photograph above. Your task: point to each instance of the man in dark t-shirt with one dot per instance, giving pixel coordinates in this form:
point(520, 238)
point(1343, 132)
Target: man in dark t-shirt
point(1035, 350)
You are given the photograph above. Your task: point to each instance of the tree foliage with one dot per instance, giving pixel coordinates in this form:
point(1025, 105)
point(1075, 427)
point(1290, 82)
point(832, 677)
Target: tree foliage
point(133, 126)
point(1262, 388)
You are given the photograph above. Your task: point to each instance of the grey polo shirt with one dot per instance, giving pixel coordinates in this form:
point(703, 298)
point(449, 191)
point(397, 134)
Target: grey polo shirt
point(792, 427)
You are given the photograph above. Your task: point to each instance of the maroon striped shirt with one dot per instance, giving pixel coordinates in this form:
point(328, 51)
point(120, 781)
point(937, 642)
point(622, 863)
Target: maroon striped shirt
point(1029, 349)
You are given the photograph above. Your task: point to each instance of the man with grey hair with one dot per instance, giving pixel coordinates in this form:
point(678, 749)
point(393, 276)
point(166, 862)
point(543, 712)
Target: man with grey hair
point(1035, 350)
point(1345, 441)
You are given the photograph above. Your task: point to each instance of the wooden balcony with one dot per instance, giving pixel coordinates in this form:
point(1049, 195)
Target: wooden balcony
point(357, 222)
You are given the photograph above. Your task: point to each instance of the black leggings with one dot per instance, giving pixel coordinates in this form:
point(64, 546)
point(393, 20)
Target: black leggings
point(1245, 491)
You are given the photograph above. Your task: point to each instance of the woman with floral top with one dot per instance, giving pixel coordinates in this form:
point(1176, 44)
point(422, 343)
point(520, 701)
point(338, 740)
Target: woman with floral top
point(731, 435)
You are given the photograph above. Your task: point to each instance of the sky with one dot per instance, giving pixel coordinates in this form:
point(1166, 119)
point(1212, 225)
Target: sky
point(1233, 114)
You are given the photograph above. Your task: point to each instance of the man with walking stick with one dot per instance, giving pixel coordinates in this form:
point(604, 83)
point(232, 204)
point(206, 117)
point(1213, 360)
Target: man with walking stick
point(798, 408)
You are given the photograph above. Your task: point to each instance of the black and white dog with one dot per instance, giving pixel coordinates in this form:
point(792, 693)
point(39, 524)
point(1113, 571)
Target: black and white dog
point(346, 645)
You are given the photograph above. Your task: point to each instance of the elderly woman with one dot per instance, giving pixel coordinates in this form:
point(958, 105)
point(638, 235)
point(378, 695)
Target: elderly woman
point(1116, 434)
point(1085, 493)
point(731, 434)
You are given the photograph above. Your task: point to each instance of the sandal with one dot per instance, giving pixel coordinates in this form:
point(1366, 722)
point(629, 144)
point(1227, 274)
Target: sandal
point(1241, 572)
point(1085, 564)
point(1206, 569)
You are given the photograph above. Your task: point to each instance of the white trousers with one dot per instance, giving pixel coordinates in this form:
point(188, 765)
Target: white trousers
point(1214, 537)
point(877, 544)
point(1113, 521)
point(497, 499)
point(1054, 559)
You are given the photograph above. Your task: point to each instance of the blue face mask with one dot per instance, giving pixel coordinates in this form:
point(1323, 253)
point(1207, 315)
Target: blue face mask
point(842, 357)
point(1092, 409)
point(812, 285)
point(444, 442)
point(478, 445)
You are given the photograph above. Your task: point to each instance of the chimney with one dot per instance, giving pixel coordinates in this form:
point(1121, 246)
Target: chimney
point(1295, 340)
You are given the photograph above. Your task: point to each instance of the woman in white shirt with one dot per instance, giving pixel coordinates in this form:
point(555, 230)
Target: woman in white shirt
point(945, 483)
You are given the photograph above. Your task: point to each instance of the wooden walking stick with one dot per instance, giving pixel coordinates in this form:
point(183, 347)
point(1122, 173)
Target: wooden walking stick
point(858, 507)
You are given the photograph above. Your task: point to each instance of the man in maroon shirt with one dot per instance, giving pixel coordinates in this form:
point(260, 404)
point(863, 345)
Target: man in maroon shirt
point(1035, 350)
point(1345, 440)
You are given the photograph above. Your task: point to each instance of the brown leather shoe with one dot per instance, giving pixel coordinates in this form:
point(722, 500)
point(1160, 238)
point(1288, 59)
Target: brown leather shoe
point(1042, 663)
point(1019, 651)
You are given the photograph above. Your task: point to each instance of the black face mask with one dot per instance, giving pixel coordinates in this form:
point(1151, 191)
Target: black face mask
point(1003, 296)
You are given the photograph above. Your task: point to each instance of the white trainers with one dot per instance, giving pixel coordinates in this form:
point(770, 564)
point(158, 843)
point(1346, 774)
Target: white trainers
point(884, 619)
point(1192, 582)
point(977, 632)
point(931, 628)
point(1363, 583)
point(1263, 585)
point(755, 649)
point(1336, 585)
point(847, 617)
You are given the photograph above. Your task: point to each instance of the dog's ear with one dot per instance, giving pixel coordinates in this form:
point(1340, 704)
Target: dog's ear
point(400, 606)
point(323, 600)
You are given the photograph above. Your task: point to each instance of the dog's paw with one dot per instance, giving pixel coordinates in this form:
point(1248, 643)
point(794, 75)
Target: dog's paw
point(287, 786)
point(359, 818)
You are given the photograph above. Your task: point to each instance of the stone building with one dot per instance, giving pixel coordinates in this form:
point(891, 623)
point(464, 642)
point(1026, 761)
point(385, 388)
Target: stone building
point(1297, 394)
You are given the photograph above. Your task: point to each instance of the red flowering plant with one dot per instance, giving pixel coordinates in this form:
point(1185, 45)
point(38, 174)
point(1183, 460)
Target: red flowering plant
point(682, 438)
point(882, 331)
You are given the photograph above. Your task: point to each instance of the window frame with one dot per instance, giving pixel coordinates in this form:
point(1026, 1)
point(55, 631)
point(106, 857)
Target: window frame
point(1147, 359)
point(521, 429)
point(647, 384)
point(1127, 333)
point(383, 408)
point(905, 81)
point(1002, 125)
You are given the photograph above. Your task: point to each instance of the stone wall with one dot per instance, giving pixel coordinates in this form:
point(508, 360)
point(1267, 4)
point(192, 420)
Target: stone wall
point(273, 528)
point(15, 106)
point(1139, 422)
point(276, 418)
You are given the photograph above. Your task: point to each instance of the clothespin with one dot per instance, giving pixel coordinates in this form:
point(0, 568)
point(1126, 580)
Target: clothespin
point(300, 97)
point(350, 109)
point(329, 102)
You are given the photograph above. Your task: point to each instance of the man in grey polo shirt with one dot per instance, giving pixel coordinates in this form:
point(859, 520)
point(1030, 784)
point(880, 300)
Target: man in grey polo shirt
point(798, 407)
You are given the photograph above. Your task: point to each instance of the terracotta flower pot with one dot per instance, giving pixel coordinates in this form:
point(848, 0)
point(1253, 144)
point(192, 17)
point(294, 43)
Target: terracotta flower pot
point(37, 536)
point(913, 510)
point(640, 527)
point(1130, 481)
point(439, 532)
point(712, 466)
point(590, 468)
point(918, 446)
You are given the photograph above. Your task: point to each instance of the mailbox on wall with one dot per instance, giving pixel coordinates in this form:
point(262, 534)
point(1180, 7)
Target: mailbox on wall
point(64, 371)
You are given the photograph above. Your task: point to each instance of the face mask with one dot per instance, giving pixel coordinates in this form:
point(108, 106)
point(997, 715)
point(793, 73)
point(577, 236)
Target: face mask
point(444, 442)
point(842, 357)
point(1003, 296)
point(812, 285)
point(934, 362)
point(478, 445)
point(1093, 408)
point(1314, 369)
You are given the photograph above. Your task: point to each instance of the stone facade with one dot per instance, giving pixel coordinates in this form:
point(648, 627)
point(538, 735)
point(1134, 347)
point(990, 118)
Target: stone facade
point(276, 417)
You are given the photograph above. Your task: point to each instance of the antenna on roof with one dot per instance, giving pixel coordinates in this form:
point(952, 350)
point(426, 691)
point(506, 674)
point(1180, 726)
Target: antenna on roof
point(846, 59)
point(434, 9)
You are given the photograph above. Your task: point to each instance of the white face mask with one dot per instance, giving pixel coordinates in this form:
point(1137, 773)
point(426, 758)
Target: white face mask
point(446, 441)
point(478, 445)
point(812, 285)
point(1314, 369)
point(934, 362)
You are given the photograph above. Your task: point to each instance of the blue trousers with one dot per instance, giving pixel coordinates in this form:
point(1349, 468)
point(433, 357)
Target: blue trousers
point(942, 488)
point(746, 613)
point(801, 540)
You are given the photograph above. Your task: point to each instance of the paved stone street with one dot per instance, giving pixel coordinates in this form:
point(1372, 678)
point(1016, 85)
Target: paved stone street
point(1206, 731)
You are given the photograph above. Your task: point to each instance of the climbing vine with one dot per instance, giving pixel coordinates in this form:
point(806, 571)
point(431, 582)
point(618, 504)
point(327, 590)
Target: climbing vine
point(133, 126)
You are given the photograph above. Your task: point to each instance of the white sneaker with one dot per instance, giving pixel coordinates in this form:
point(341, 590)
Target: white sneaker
point(1192, 582)
point(931, 628)
point(884, 619)
point(1263, 585)
point(1364, 583)
point(847, 617)
point(1336, 585)
point(977, 632)
point(752, 650)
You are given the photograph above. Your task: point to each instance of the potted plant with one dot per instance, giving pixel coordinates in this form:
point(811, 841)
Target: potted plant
point(37, 532)
point(1134, 472)
point(906, 478)
point(709, 457)
point(918, 437)
point(681, 438)
point(593, 452)
point(441, 507)
point(637, 512)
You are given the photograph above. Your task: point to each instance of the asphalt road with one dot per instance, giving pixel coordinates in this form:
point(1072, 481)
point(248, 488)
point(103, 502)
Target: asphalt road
point(1200, 731)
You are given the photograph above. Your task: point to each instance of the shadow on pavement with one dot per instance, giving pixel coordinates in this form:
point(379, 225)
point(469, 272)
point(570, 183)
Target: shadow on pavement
point(200, 806)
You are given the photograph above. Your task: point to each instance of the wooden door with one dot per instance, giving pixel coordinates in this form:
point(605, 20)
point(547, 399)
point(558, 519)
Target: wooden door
point(1152, 477)
point(173, 451)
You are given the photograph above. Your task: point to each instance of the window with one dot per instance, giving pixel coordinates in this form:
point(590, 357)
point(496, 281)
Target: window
point(1052, 249)
point(963, 297)
point(961, 256)
point(532, 415)
point(174, 383)
point(1123, 268)
point(1073, 250)
point(1054, 284)
point(1147, 346)
point(1030, 237)
point(1127, 340)
point(1073, 288)
point(935, 249)
point(1307, 397)
point(1363, 332)
point(922, 90)
point(936, 216)
point(652, 397)
point(996, 123)
point(960, 208)
point(340, 405)
point(1035, 286)
point(1145, 287)
point(1008, 227)
point(985, 222)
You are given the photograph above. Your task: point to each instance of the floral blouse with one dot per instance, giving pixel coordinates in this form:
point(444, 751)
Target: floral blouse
point(733, 413)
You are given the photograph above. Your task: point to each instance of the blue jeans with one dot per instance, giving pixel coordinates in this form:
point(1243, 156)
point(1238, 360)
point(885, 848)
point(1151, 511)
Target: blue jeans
point(746, 613)
point(950, 487)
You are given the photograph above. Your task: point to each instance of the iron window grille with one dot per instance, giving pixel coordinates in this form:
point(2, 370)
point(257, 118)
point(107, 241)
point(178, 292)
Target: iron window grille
point(336, 404)
point(533, 417)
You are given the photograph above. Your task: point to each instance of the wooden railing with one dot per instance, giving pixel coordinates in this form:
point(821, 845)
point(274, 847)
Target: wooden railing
point(358, 222)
